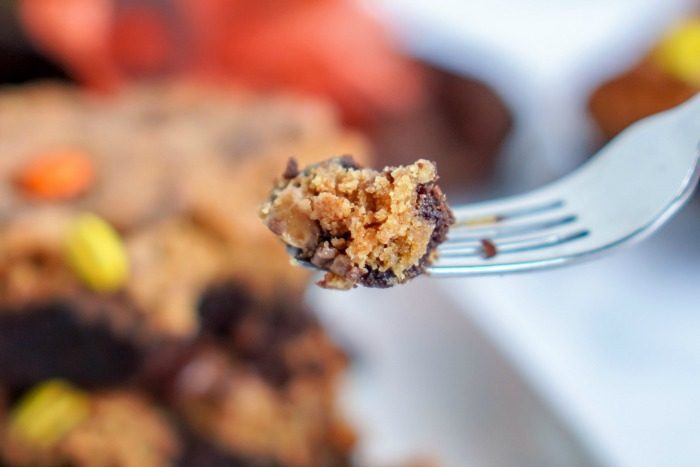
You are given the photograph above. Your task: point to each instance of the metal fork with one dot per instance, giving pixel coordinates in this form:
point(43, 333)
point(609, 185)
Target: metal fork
point(623, 194)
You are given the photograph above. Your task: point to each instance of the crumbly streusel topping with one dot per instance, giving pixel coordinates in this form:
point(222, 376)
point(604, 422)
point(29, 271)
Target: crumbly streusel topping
point(375, 228)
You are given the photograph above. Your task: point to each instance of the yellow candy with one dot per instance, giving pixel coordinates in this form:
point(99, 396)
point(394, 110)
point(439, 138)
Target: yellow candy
point(47, 413)
point(96, 254)
point(679, 53)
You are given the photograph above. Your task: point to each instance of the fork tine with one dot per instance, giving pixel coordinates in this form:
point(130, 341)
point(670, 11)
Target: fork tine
point(555, 250)
point(536, 201)
point(475, 249)
point(500, 210)
point(512, 229)
point(519, 216)
point(483, 268)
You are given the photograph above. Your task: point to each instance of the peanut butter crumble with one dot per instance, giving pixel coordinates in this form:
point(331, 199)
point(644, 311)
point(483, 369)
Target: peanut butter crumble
point(362, 226)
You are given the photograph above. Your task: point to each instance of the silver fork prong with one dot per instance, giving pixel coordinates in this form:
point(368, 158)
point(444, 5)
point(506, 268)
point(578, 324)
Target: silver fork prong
point(522, 226)
point(482, 268)
point(503, 211)
point(510, 246)
point(496, 221)
point(623, 194)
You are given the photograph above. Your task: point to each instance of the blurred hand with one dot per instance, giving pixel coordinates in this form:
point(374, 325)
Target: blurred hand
point(322, 47)
point(77, 33)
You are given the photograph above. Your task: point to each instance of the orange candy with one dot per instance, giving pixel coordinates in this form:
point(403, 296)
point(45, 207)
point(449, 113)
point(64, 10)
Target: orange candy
point(57, 175)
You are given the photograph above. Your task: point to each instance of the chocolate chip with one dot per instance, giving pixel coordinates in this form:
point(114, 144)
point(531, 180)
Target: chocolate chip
point(222, 306)
point(280, 324)
point(292, 169)
point(324, 255)
point(346, 161)
point(432, 206)
point(256, 332)
point(378, 279)
point(488, 248)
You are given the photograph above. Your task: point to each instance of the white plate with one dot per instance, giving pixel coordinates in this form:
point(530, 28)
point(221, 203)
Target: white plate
point(425, 383)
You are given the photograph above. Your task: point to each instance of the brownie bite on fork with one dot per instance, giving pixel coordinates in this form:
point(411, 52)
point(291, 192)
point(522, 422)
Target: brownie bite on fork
point(362, 226)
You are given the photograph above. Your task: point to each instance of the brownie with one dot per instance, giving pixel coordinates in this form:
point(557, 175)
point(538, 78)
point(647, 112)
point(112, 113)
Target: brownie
point(461, 123)
point(203, 353)
point(362, 226)
point(666, 77)
point(73, 337)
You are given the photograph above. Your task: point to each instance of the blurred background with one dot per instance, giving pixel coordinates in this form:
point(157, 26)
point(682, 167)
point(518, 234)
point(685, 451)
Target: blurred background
point(596, 365)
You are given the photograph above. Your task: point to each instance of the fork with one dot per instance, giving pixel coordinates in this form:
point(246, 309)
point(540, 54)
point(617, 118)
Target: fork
point(620, 196)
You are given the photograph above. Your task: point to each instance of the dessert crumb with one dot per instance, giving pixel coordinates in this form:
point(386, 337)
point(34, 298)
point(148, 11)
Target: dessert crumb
point(362, 226)
point(488, 248)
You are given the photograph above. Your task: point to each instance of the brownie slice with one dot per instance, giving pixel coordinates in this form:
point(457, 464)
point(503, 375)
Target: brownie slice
point(667, 76)
point(208, 334)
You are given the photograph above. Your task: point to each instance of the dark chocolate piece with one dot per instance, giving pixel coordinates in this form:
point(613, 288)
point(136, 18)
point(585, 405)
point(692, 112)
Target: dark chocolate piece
point(348, 162)
point(200, 452)
point(488, 248)
point(49, 340)
point(256, 333)
point(292, 169)
point(221, 307)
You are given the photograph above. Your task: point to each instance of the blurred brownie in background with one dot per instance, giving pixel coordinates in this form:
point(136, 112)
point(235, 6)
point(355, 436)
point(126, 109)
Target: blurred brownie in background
point(666, 77)
point(146, 316)
point(201, 330)
point(461, 125)
point(408, 109)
